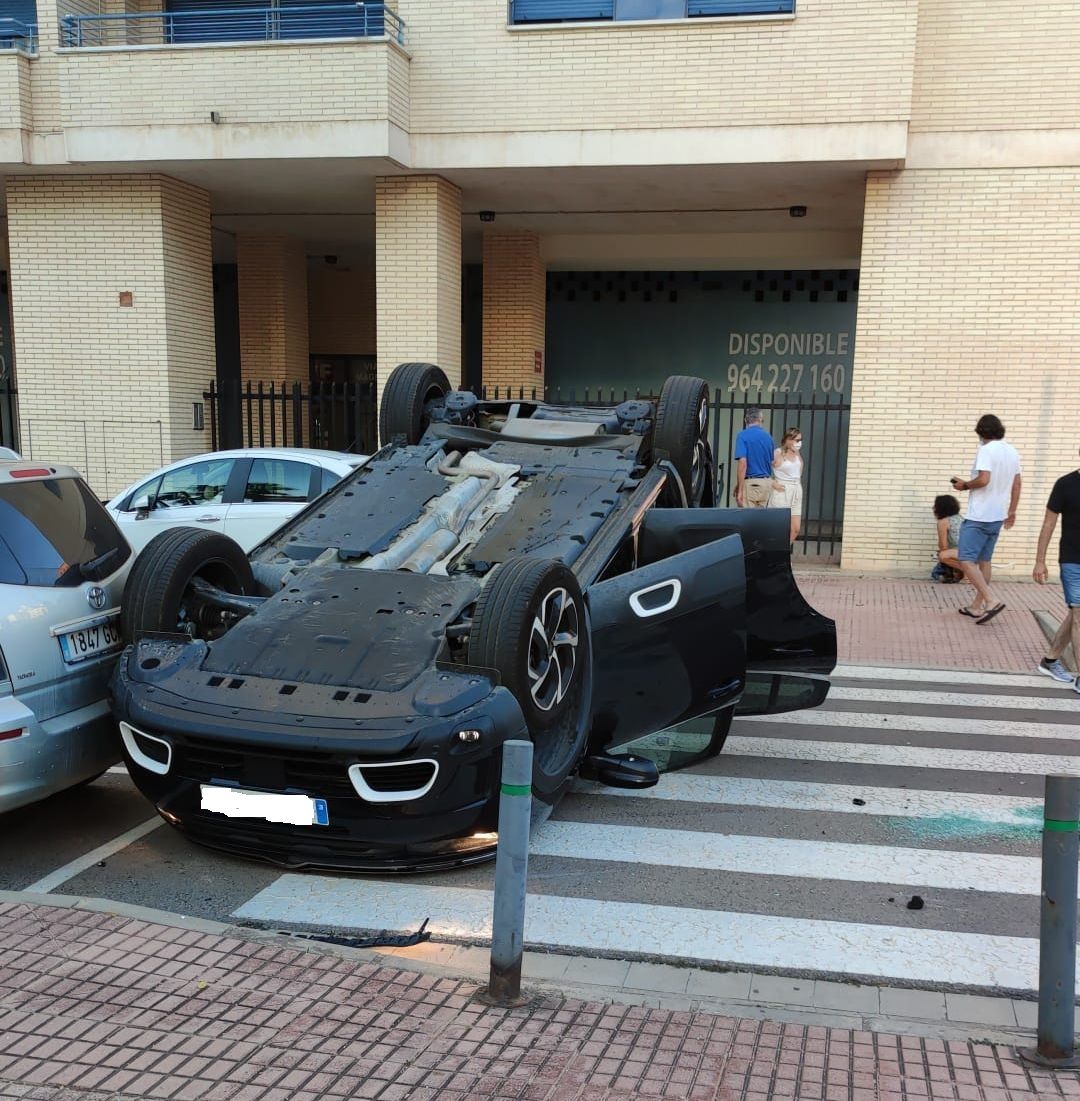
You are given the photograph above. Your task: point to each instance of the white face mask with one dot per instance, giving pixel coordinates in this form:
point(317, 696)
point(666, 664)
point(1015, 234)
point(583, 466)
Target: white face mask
point(797, 445)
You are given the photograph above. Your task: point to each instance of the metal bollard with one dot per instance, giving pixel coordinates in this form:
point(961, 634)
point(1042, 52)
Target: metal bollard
point(511, 869)
point(1057, 933)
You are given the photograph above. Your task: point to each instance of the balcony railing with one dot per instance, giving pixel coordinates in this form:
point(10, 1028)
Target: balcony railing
point(236, 24)
point(580, 11)
point(17, 35)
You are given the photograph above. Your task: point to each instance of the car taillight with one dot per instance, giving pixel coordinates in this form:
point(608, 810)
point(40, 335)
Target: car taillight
point(7, 735)
point(32, 472)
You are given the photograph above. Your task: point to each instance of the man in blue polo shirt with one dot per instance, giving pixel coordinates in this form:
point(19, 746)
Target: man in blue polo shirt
point(754, 449)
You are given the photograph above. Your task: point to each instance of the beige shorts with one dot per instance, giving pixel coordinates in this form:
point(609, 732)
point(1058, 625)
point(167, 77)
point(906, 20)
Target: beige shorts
point(790, 496)
point(756, 492)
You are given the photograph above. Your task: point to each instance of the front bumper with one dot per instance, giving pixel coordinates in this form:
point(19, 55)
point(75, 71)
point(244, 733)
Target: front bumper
point(267, 749)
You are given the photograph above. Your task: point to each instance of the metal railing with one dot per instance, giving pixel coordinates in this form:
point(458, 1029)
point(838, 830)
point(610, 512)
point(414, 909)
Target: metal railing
point(341, 416)
point(272, 24)
point(577, 11)
point(17, 35)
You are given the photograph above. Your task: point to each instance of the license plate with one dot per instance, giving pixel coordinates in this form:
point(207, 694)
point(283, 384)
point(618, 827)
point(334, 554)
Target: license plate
point(291, 810)
point(88, 642)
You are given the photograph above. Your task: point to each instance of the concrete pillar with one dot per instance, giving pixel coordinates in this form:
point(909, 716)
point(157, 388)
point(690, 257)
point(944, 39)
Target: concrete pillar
point(418, 273)
point(113, 308)
point(514, 310)
point(271, 274)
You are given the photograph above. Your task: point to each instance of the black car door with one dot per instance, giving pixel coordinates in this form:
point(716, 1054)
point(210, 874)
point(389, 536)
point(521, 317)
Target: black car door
point(790, 647)
point(668, 639)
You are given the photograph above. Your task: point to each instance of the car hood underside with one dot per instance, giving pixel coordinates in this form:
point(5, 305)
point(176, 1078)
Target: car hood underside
point(351, 627)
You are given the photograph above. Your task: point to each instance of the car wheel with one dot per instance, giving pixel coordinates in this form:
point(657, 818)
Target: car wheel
point(404, 409)
point(159, 595)
point(681, 435)
point(530, 626)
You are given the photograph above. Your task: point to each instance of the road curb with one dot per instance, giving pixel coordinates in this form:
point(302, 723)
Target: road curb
point(747, 995)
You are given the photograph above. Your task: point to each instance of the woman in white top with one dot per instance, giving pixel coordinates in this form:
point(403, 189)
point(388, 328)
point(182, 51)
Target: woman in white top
point(787, 478)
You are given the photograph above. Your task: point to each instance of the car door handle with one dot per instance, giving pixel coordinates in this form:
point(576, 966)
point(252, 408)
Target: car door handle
point(656, 599)
point(207, 519)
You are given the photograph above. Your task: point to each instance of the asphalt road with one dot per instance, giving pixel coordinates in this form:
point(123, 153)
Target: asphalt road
point(800, 849)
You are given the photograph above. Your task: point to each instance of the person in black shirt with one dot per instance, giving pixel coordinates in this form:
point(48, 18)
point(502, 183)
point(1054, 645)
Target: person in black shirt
point(1064, 502)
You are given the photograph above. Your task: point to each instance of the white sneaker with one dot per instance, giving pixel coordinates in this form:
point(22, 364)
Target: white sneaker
point(1056, 671)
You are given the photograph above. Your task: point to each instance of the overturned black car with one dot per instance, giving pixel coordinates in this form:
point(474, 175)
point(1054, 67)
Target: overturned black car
point(338, 699)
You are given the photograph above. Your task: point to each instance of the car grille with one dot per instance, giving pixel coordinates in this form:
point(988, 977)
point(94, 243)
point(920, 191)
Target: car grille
point(320, 774)
point(408, 776)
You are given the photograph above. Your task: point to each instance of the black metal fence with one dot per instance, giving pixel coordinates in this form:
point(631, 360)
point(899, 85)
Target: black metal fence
point(9, 413)
point(339, 416)
point(342, 416)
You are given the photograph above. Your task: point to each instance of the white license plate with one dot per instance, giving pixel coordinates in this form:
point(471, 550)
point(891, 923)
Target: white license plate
point(88, 642)
point(292, 810)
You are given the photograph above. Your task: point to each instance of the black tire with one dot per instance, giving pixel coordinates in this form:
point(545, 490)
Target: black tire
point(157, 596)
point(502, 637)
point(681, 434)
point(408, 389)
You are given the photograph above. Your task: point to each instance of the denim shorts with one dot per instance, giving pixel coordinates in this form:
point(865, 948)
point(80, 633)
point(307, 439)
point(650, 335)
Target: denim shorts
point(977, 540)
point(1070, 582)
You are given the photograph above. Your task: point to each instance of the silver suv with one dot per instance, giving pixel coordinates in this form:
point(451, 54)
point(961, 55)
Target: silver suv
point(63, 563)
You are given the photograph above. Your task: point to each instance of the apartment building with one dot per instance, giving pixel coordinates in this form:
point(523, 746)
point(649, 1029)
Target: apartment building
point(864, 216)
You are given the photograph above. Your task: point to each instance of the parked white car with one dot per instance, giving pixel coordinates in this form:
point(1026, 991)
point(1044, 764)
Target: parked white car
point(245, 494)
point(63, 564)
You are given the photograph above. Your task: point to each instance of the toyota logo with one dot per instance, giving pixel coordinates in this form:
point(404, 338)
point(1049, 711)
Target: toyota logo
point(96, 597)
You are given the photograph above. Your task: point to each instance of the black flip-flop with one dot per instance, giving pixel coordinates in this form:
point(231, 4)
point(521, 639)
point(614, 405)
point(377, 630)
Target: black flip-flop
point(969, 613)
point(990, 614)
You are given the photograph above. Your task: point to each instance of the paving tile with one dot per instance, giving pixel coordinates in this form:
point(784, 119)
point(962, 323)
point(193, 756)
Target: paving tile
point(846, 997)
point(913, 1004)
point(777, 990)
point(659, 977)
point(470, 960)
point(543, 965)
point(597, 972)
point(975, 1008)
point(730, 985)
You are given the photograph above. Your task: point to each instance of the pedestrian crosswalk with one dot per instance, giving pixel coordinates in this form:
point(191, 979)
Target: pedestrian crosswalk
point(891, 834)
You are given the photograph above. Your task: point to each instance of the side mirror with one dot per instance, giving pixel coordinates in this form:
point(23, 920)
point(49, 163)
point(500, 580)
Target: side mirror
point(141, 506)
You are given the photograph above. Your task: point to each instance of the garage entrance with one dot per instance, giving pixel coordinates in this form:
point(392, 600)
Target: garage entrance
point(782, 341)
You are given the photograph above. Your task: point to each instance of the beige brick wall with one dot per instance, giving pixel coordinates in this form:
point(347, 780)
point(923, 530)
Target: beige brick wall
point(418, 273)
point(15, 112)
point(997, 65)
point(272, 286)
point(109, 388)
point(341, 312)
point(514, 310)
point(967, 305)
point(275, 83)
point(189, 310)
point(837, 61)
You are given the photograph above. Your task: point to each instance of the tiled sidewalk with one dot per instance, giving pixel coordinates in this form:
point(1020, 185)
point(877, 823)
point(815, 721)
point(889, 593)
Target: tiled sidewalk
point(897, 621)
point(95, 1006)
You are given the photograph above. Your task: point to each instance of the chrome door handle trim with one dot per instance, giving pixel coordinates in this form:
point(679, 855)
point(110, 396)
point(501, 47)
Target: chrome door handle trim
point(207, 519)
point(673, 583)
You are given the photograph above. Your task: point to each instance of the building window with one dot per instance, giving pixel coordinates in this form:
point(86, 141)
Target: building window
point(588, 11)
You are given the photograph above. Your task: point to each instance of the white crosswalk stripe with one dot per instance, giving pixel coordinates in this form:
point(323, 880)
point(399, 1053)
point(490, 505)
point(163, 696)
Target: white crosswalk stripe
point(1066, 700)
point(816, 852)
point(797, 795)
point(945, 724)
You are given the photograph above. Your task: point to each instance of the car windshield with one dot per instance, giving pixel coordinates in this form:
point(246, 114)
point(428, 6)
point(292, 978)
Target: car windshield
point(54, 533)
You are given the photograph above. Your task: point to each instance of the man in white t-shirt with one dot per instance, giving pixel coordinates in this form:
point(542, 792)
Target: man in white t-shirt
point(994, 488)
